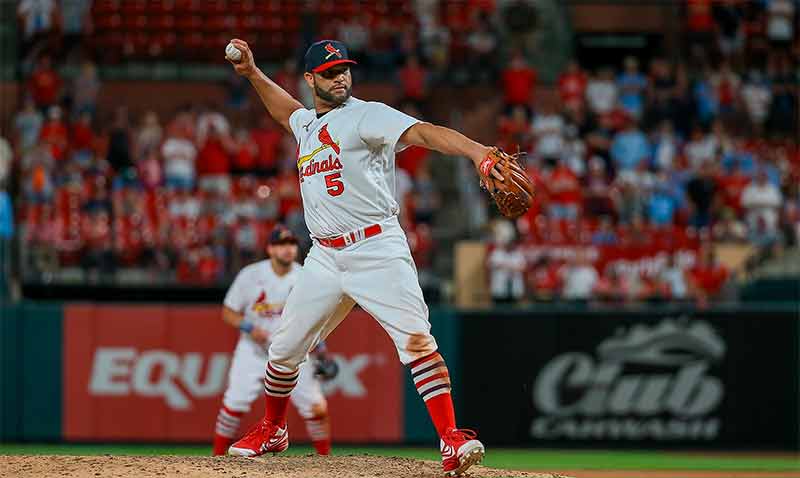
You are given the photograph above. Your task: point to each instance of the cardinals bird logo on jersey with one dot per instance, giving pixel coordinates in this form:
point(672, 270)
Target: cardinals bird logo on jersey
point(330, 164)
point(264, 308)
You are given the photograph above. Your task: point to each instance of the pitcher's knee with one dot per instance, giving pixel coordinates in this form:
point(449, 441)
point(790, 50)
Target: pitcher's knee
point(417, 346)
point(283, 359)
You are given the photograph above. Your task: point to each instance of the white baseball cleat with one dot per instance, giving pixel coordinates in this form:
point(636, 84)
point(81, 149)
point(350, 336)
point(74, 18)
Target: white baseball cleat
point(460, 450)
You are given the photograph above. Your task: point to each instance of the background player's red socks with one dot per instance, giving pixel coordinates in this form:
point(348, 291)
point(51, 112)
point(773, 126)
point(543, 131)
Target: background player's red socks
point(278, 385)
point(221, 445)
point(226, 430)
point(320, 432)
point(323, 447)
point(433, 384)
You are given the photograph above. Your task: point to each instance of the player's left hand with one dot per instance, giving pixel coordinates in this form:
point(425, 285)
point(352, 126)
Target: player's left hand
point(479, 162)
point(325, 368)
point(513, 194)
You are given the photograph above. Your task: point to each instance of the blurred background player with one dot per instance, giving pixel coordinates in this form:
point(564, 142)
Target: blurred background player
point(253, 304)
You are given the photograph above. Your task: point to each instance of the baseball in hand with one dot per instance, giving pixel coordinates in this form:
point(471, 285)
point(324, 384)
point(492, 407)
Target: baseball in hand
point(232, 53)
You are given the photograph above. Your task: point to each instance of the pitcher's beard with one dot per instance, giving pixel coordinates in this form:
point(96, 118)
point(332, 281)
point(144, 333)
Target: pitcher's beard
point(329, 98)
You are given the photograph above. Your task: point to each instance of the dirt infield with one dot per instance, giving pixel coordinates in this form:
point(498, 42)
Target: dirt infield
point(353, 466)
point(680, 474)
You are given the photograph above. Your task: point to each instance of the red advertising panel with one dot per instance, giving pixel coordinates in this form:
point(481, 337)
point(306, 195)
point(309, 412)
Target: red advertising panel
point(158, 373)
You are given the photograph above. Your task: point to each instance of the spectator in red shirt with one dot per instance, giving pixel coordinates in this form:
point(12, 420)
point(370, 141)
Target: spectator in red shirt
point(707, 277)
point(213, 164)
point(150, 171)
point(82, 135)
point(98, 255)
point(413, 80)
point(514, 130)
point(209, 267)
point(268, 138)
point(54, 133)
point(519, 81)
point(412, 159)
point(420, 241)
point(544, 279)
point(572, 86)
point(726, 84)
point(700, 22)
point(613, 286)
point(245, 154)
point(565, 193)
point(44, 84)
point(731, 186)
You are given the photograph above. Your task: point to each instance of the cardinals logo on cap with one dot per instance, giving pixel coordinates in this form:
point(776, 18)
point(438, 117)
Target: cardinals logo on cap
point(331, 51)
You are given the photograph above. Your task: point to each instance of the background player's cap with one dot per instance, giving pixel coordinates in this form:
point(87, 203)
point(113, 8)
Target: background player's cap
point(324, 54)
point(282, 235)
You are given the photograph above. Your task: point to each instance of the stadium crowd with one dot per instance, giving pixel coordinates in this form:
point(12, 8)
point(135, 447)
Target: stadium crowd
point(639, 167)
point(641, 170)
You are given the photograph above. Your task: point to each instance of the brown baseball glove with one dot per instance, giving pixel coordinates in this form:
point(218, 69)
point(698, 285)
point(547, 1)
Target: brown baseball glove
point(514, 194)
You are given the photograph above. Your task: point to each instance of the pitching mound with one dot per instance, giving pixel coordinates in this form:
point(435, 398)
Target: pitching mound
point(353, 466)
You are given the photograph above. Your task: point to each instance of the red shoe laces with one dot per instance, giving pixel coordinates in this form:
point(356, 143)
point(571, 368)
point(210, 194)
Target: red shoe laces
point(258, 429)
point(462, 434)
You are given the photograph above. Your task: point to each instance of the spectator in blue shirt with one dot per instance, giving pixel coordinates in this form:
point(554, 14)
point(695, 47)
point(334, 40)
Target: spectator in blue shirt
point(632, 85)
point(605, 234)
point(662, 204)
point(706, 99)
point(6, 215)
point(630, 147)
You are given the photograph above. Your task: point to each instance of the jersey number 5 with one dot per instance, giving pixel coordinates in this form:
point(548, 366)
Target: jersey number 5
point(334, 184)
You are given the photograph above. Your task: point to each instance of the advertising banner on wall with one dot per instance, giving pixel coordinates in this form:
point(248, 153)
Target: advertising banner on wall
point(158, 373)
point(627, 379)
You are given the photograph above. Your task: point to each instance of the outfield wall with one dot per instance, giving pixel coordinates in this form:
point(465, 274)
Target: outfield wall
point(724, 378)
point(556, 377)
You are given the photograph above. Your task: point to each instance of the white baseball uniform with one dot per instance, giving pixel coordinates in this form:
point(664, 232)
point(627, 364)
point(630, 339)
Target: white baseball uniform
point(346, 162)
point(260, 294)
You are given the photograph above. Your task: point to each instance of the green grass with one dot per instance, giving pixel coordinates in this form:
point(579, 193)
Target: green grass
point(519, 459)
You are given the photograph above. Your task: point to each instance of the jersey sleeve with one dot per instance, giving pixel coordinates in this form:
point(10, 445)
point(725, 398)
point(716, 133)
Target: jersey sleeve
point(297, 119)
point(235, 297)
point(383, 125)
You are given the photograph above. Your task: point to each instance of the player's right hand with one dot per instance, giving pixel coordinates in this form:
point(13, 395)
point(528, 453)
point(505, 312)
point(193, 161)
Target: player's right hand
point(260, 336)
point(246, 66)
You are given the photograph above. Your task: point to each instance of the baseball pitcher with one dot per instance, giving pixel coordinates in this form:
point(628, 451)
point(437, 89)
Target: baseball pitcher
point(253, 304)
point(346, 164)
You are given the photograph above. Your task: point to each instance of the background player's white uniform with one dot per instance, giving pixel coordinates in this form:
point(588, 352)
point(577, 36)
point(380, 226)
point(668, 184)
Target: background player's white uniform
point(259, 293)
point(346, 161)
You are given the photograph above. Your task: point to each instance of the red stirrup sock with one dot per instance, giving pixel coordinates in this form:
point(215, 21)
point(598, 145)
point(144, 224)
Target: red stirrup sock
point(278, 386)
point(226, 428)
point(319, 430)
point(433, 385)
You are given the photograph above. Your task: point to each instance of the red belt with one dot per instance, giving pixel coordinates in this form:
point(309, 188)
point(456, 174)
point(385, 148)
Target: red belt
point(351, 237)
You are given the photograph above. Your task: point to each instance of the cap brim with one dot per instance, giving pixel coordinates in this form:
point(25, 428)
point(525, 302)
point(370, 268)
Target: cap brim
point(329, 64)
